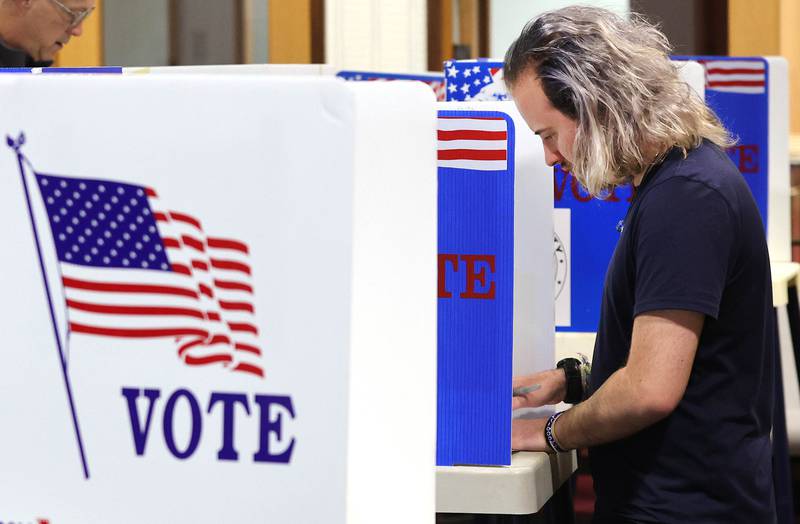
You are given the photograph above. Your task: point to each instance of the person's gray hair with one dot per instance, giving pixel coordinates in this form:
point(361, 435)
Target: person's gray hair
point(613, 76)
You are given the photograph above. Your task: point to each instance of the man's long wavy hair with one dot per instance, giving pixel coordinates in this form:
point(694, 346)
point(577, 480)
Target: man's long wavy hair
point(613, 76)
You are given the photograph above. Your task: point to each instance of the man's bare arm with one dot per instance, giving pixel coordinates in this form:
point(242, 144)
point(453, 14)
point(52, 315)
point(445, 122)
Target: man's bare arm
point(647, 389)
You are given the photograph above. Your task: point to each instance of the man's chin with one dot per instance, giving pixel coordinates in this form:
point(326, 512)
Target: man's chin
point(49, 54)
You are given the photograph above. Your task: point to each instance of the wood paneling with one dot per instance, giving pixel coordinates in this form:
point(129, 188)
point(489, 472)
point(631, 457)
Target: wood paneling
point(754, 27)
point(769, 27)
point(289, 31)
point(440, 33)
point(317, 31)
point(85, 50)
point(790, 48)
point(468, 26)
point(483, 29)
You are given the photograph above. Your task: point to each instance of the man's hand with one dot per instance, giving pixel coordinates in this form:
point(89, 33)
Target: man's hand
point(553, 388)
point(528, 434)
point(647, 389)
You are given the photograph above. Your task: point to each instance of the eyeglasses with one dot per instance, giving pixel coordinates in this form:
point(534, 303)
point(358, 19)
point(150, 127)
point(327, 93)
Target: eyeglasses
point(76, 16)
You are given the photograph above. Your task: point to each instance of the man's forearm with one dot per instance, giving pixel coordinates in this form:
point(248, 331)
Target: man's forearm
point(613, 412)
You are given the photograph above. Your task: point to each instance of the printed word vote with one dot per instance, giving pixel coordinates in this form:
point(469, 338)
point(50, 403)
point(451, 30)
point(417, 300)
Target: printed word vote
point(270, 410)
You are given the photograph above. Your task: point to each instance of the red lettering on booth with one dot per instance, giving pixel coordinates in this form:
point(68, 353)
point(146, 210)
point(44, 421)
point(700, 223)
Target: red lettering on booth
point(745, 157)
point(478, 283)
point(443, 260)
point(477, 274)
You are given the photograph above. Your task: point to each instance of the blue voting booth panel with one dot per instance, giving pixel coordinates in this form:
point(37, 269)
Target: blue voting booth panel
point(593, 228)
point(475, 323)
point(737, 90)
point(435, 81)
point(107, 70)
point(480, 79)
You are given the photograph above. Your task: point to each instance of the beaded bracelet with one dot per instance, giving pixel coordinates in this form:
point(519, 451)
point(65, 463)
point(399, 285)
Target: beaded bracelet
point(548, 433)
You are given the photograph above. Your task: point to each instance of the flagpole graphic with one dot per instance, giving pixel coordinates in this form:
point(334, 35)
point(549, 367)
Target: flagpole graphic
point(16, 145)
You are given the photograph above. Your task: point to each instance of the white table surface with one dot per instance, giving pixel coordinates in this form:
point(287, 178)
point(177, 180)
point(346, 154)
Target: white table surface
point(519, 489)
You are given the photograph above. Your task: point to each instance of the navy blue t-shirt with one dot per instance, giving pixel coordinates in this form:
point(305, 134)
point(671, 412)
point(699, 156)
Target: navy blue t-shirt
point(693, 240)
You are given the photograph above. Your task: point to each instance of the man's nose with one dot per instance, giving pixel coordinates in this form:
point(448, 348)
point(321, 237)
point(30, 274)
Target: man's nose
point(552, 157)
point(77, 30)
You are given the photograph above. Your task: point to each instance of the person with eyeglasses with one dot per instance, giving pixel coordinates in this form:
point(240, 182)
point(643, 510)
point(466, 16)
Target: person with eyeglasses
point(32, 32)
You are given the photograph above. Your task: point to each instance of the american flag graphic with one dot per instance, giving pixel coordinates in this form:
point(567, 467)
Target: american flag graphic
point(132, 268)
point(474, 80)
point(736, 76)
point(476, 143)
point(435, 82)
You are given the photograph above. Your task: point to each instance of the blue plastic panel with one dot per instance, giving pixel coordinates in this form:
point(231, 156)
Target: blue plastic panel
point(476, 287)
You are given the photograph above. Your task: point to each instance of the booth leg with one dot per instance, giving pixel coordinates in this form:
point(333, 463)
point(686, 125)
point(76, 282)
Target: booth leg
point(781, 471)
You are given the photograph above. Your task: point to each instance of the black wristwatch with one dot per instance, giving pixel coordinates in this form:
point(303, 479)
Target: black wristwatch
point(572, 369)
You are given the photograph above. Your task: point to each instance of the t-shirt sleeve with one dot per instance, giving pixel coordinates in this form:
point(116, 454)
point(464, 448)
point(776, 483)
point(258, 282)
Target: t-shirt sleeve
point(683, 244)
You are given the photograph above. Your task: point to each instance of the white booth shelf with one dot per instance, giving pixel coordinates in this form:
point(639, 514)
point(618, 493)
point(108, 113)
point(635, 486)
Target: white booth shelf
point(522, 488)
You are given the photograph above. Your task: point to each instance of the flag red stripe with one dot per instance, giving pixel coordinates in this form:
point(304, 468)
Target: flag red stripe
point(135, 310)
point(235, 286)
point(243, 327)
point(472, 154)
point(230, 265)
point(215, 317)
point(182, 269)
point(736, 83)
point(236, 306)
point(199, 264)
point(205, 290)
point(150, 192)
point(128, 288)
point(136, 333)
point(183, 217)
point(472, 134)
point(249, 368)
point(216, 339)
point(223, 243)
point(210, 359)
point(247, 347)
point(160, 217)
point(719, 71)
point(219, 339)
point(171, 242)
point(193, 242)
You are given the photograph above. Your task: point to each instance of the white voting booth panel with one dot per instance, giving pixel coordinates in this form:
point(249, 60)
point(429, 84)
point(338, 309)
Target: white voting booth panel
point(237, 69)
point(779, 220)
point(314, 200)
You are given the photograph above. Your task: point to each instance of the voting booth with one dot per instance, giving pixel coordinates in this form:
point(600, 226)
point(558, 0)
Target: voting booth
point(475, 80)
point(585, 228)
point(494, 278)
point(434, 80)
point(750, 95)
point(219, 300)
